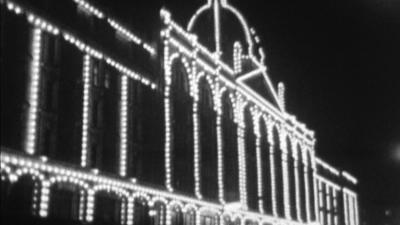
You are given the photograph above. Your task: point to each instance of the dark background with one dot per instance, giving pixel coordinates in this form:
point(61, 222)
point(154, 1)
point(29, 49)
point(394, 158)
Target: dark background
point(340, 61)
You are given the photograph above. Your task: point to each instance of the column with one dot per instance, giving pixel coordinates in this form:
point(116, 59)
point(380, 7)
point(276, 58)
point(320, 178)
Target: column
point(259, 171)
point(34, 89)
point(335, 207)
point(167, 115)
point(86, 111)
point(315, 192)
point(346, 215)
point(241, 154)
point(307, 190)
point(297, 183)
point(328, 205)
point(129, 217)
point(321, 202)
point(356, 209)
point(44, 199)
point(90, 206)
point(197, 165)
point(286, 190)
point(220, 158)
point(351, 206)
point(272, 168)
point(123, 125)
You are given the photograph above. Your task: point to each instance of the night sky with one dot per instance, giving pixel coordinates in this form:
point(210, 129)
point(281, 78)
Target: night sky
point(340, 61)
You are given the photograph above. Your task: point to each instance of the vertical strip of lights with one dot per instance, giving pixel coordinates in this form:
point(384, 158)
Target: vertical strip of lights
point(237, 57)
point(220, 156)
point(167, 70)
point(86, 109)
point(33, 92)
point(217, 27)
point(198, 218)
point(356, 208)
point(349, 205)
point(315, 189)
point(259, 167)
point(272, 168)
point(193, 80)
point(352, 216)
point(129, 219)
point(35, 197)
point(168, 217)
point(321, 202)
point(306, 182)
point(296, 180)
point(44, 199)
point(328, 204)
point(284, 158)
point(82, 195)
point(197, 165)
point(346, 215)
point(335, 207)
point(242, 188)
point(90, 205)
point(241, 151)
point(123, 125)
point(123, 211)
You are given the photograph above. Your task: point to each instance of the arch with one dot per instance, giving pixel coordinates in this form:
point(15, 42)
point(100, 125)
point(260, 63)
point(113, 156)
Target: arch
point(278, 167)
point(232, 218)
point(208, 141)
point(6, 172)
point(225, 5)
point(67, 198)
point(229, 149)
point(157, 199)
point(66, 179)
point(251, 159)
point(142, 196)
point(189, 207)
point(25, 171)
point(21, 198)
point(189, 217)
point(265, 166)
point(109, 204)
point(141, 210)
point(111, 189)
point(174, 204)
point(176, 213)
point(202, 76)
point(208, 216)
point(250, 221)
point(159, 211)
point(181, 119)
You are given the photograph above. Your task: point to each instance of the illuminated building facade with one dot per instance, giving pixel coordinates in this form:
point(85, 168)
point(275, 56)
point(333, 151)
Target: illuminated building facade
point(99, 126)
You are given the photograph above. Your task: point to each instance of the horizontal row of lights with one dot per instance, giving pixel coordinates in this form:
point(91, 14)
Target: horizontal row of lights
point(31, 166)
point(90, 8)
point(45, 25)
point(131, 36)
point(116, 25)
